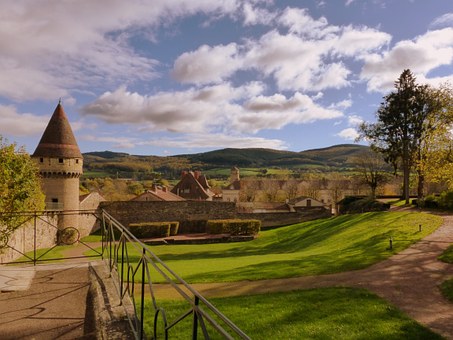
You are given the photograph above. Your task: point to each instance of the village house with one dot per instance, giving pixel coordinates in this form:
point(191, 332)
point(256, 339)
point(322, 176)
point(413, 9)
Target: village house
point(158, 193)
point(193, 186)
point(230, 193)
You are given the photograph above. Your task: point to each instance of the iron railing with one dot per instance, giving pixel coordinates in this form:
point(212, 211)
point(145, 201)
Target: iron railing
point(121, 250)
point(58, 235)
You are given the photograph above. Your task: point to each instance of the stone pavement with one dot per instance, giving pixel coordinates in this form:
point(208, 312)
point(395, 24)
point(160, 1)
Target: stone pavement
point(46, 302)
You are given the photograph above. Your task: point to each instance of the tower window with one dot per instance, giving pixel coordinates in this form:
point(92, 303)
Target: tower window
point(54, 200)
point(60, 160)
point(77, 161)
point(41, 160)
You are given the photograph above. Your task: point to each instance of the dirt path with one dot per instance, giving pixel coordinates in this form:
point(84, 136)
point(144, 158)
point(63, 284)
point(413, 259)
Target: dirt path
point(409, 280)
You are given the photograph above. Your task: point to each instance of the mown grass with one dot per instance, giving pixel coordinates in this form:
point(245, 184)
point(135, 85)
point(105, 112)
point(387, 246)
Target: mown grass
point(327, 313)
point(44, 254)
point(326, 246)
point(447, 286)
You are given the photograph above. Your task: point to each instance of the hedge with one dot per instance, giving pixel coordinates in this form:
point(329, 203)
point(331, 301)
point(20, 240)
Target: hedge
point(150, 229)
point(233, 227)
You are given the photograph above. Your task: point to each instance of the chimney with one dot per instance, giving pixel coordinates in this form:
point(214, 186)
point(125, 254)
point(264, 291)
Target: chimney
point(164, 188)
point(183, 174)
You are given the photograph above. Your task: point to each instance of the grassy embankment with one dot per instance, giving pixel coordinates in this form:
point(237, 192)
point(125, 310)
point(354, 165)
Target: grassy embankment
point(326, 246)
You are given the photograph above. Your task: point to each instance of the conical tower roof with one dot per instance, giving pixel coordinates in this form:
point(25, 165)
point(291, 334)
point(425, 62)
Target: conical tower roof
point(58, 140)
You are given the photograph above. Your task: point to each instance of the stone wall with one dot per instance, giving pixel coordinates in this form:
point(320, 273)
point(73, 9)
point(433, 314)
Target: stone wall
point(192, 215)
point(22, 240)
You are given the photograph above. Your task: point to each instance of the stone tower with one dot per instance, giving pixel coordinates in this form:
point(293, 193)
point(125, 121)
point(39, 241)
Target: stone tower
point(60, 166)
point(234, 174)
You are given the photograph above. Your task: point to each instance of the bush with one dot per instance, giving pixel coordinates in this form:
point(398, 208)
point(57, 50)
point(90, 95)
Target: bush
point(360, 204)
point(446, 200)
point(150, 229)
point(430, 202)
point(233, 227)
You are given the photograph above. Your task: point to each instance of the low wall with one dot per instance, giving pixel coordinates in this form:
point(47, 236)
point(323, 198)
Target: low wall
point(22, 240)
point(192, 215)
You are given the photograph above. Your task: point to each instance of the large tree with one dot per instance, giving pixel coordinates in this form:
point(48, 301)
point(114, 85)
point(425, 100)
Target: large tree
point(401, 125)
point(20, 188)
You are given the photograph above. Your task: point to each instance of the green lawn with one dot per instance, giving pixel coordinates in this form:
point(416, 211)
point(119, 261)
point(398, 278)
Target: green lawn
point(327, 313)
point(447, 286)
point(332, 245)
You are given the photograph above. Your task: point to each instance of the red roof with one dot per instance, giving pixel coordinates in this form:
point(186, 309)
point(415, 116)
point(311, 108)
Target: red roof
point(58, 140)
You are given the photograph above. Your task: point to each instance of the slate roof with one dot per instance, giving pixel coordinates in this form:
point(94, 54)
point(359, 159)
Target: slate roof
point(58, 140)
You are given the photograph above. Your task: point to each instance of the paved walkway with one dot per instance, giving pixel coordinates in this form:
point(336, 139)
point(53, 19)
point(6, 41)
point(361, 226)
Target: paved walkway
point(49, 302)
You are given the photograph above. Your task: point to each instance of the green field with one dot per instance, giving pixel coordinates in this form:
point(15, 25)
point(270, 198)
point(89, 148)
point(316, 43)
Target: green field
point(327, 313)
point(326, 246)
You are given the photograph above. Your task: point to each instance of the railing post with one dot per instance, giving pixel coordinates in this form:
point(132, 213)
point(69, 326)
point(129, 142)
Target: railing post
point(195, 319)
point(34, 239)
point(123, 244)
point(142, 297)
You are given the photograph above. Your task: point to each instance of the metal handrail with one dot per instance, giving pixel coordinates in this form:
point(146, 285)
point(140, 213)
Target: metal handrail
point(116, 238)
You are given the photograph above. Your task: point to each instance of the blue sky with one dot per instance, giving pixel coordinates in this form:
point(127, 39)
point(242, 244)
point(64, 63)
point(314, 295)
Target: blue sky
point(167, 77)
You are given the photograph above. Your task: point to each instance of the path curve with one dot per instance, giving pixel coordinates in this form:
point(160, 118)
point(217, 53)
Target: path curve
point(410, 280)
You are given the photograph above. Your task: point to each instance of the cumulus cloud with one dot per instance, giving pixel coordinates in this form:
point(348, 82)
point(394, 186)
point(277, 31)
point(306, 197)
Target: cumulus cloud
point(254, 15)
point(207, 64)
point(421, 55)
point(307, 54)
point(348, 134)
point(20, 124)
point(206, 110)
point(50, 48)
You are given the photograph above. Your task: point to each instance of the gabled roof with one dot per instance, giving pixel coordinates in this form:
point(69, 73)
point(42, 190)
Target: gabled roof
point(158, 194)
point(196, 184)
point(58, 139)
point(236, 185)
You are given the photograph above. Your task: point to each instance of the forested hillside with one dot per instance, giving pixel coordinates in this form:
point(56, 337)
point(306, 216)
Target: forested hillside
point(334, 158)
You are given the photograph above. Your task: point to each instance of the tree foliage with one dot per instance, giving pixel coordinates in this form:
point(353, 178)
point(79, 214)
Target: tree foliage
point(20, 188)
point(406, 119)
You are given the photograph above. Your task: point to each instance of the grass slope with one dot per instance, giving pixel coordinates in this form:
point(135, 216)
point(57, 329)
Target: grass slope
point(317, 247)
point(327, 313)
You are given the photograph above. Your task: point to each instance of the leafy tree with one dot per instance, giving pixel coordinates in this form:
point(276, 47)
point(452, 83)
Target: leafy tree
point(401, 125)
point(20, 189)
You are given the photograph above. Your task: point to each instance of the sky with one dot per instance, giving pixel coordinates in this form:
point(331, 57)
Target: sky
point(167, 77)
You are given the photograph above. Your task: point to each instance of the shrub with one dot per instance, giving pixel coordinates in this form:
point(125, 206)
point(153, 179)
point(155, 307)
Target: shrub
point(359, 204)
point(233, 227)
point(430, 202)
point(446, 200)
point(68, 235)
point(150, 229)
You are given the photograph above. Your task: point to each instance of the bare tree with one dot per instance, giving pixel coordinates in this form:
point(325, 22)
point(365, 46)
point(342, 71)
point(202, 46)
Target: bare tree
point(373, 170)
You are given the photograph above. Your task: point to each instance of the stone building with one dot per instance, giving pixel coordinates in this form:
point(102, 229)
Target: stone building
point(60, 165)
point(230, 193)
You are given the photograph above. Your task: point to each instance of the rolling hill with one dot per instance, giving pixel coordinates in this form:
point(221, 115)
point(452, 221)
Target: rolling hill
point(334, 158)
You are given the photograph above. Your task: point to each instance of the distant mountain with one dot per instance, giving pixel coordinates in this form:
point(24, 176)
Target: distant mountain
point(334, 158)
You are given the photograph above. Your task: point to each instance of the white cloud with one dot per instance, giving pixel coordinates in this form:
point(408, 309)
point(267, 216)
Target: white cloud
point(348, 134)
point(254, 15)
point(354, 120)
point(207, 110)
point(421, 55)
point(207, 140)
point(207, 64)
point(50, 48)
point(445, 20)
point(20, 124)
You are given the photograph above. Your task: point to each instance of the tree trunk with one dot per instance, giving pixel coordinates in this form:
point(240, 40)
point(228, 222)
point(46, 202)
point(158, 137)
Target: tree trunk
point(421, 186)
point(406, 174)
